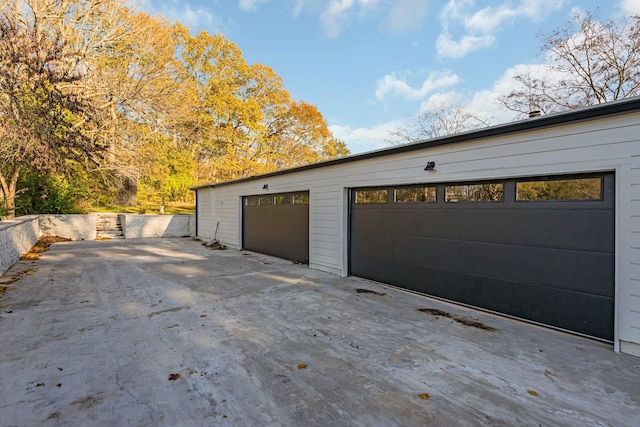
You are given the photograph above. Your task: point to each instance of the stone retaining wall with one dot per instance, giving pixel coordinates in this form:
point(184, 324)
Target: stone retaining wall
point(74, 227)
point(145, 226)
point(17, 236)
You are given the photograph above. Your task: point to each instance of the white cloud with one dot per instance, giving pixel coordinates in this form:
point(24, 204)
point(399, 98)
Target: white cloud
point(408, 14)
point(449, 48)
point(195, 19)
point(488, 19)
point(630, 7)
point(334, 16)
point(338, 14)
point(362, 139)
point(391, 85)
point(250, 5)
point(438, 100)
point(478, 28)
point(538, 10)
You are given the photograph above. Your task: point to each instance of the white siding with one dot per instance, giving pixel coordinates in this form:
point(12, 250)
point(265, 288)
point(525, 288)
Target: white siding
point(205, 217)
point(606, 144)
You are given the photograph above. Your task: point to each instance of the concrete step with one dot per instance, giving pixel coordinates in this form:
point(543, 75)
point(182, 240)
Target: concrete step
point(110, 235)
point(109, 226)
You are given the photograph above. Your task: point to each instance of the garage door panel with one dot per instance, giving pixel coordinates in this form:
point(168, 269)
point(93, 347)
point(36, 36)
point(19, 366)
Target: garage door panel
point(551, 262)
point(588, 228)
point(579, 312)
point(571, 270)
point(278, 230)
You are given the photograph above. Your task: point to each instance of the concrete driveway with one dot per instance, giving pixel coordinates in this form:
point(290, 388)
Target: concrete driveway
point(165, 332)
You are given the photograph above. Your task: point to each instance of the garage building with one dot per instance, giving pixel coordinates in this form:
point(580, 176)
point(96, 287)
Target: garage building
point(537, 219)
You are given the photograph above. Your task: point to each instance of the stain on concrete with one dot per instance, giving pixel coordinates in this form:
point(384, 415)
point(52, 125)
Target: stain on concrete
point(369, 291)
point(168, 310)
point(87, 402)
point(467, 321)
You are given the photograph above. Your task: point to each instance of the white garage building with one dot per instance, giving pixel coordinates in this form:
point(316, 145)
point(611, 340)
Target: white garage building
point(537, 219)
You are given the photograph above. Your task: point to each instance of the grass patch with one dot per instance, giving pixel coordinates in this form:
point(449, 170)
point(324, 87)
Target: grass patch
point(150, 208)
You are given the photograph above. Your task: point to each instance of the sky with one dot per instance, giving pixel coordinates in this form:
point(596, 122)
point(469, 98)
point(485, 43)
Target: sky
point(371, 66)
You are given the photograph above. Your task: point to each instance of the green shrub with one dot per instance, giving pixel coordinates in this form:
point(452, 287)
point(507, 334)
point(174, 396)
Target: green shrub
point(51, 194)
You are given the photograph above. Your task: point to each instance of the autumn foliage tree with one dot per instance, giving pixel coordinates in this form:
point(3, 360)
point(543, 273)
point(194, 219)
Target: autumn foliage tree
point(248, 122)
point(39, 117)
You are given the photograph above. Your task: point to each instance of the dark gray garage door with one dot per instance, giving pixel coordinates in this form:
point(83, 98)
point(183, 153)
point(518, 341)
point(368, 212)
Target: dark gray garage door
point(540, 249)
point(277, 224)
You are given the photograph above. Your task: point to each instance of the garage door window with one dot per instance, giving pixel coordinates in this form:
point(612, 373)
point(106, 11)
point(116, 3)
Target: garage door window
point(301, 199)
point(265, 200)
point(372, 196)
point(560, 189)
point(283, 199)
point(415, 195)
point(484, 192)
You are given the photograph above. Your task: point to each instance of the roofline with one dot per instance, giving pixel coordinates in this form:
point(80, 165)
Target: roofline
point(587, 113)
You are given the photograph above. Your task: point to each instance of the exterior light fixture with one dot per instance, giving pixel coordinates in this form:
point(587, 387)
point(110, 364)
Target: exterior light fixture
point(431, 166)
point(265, 187)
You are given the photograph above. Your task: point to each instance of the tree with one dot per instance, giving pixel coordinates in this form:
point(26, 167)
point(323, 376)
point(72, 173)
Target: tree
point(137, 85)
point(246, 121)
point(38, 117)
point(587, 63)
point(300, 135)
point(88, 80)
point(440, 119)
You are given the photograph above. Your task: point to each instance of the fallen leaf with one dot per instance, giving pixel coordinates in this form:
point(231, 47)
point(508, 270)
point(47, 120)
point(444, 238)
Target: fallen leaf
point(173, 377)
point(203, 315)
point(424, 396)
point(302, 366)
point(532, 392)
point(40, 385)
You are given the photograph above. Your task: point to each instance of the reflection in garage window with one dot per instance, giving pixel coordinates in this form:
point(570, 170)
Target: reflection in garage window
point(283, 199)
point(266, 200)
point(560, 189)
point(415, 194)
point(250, 201)
point(493, 192)
point(372, 196)
point(301, 199)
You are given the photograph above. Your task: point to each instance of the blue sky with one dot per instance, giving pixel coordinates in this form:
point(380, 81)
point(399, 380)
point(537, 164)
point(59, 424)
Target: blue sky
point(372, 65)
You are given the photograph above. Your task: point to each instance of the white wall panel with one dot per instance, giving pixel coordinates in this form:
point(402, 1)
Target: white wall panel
point(205, 218)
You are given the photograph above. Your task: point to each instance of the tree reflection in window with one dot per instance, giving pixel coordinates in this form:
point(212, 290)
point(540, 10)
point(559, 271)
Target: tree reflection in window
point(372, 196)
point(301, 199)
point(415, 194)
point(282, 199)
point(251, 201)
point(487, 192)
point(560, 189)
point(266, 200)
